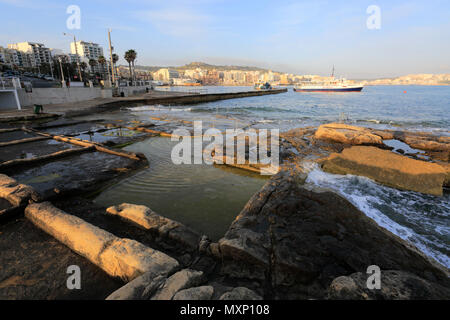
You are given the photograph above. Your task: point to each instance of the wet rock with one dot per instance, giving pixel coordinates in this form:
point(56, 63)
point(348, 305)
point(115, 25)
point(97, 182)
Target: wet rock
point(386, 167)
point(384, 134)
point(122, 258)
point(148, 219)
point(347, 134)
point(294, 242)
point(424, 142)
point(395, 285)
point(240, 293)
point(16, 193)
point(183, 279)
point(197, 293)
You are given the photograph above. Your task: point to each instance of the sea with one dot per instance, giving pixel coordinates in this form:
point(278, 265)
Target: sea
point(209, 199)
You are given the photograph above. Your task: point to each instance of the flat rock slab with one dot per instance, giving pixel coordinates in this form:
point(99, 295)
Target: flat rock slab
point(121, 258)
point(386, 167)
point(343, 133)
point(15, 135)
point(77, 173)
point(294, 242)
point(33, 149)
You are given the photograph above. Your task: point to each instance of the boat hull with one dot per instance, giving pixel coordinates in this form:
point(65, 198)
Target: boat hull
point(352, 89)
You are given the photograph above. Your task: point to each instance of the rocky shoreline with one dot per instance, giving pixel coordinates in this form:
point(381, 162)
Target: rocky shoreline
point(288, 242)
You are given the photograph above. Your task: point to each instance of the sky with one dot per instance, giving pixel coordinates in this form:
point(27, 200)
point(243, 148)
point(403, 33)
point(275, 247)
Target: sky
point(301, 37)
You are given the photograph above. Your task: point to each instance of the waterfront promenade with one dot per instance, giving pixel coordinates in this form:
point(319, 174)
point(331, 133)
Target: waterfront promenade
point(103, 104)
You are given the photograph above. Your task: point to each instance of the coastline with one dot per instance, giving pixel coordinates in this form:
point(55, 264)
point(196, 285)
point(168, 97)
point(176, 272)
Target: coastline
point(206, 256)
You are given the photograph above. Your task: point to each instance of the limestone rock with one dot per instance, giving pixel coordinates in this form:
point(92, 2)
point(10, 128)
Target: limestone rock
point(129, 259)
point(386, 167)
point(347, 134)
point(82, 237)
point(140, 288)
point(183, 279)
point(16, 193)
point(425, 143)
point(196, 293)
point(240, 293)
point(395, 285)
point(296, 241)
point(147, 219)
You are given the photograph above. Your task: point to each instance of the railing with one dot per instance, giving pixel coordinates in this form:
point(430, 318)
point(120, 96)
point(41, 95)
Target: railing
point(6, 83)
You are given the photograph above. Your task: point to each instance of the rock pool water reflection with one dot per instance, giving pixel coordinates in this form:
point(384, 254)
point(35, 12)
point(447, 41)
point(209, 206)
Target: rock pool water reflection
point(204, 197)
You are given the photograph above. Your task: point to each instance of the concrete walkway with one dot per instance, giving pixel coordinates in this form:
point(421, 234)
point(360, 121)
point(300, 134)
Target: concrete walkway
point(103, 104)
point(85, 107)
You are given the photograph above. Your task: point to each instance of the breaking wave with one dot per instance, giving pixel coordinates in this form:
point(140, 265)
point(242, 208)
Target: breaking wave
point(420, 219)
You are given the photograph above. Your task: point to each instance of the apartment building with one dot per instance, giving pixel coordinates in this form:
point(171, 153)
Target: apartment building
point(13, 57)
point(165, 74)
point(31, 54)
point(87, 51)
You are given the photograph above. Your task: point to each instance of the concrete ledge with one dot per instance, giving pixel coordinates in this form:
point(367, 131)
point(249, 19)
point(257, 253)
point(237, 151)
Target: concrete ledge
point(201, 98)
point(128, 259)
point(123, 258)
point(144, 217)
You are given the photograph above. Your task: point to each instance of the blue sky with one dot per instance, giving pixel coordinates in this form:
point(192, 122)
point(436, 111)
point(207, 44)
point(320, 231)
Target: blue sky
point(292, 36)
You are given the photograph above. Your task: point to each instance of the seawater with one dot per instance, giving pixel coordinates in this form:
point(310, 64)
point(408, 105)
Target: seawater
point(208, 198)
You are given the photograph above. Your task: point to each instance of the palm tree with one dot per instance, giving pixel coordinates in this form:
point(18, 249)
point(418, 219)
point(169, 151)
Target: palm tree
point(115, 58)
point(130, 56)
point(102, 62)
point(92, 63)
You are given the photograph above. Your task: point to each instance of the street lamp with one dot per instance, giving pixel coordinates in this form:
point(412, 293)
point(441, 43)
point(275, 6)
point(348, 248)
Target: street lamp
point(111, 57)
point(62, 73)
point(76, 52)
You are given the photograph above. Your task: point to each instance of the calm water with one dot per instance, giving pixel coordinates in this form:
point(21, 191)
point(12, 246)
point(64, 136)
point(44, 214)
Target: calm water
point(204, 197)
point(412, 107)
point(208, 198)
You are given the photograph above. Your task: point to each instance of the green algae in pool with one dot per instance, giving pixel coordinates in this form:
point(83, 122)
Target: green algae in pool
point(203, 197)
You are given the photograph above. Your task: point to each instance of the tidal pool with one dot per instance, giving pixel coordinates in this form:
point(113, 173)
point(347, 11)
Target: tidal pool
point(204, 197)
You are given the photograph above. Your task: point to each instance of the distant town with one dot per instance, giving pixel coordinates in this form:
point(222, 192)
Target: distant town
point(87, 61)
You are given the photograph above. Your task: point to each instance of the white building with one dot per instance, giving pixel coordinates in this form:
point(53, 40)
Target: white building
point(13, 57)
point(87, 51)
point(32, 54)
point(165, 74)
